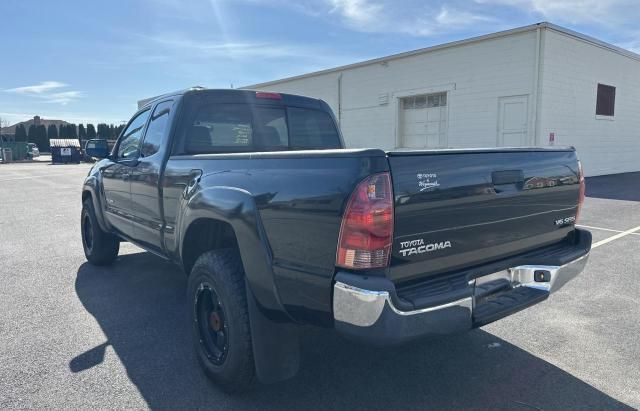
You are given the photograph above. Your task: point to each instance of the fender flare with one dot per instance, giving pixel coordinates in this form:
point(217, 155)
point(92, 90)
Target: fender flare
point(237, 208)
point(91, 186)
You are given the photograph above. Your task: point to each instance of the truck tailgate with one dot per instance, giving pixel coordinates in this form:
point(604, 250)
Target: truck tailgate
point(460, 208)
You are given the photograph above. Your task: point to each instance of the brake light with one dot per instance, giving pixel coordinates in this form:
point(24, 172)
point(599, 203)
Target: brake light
point(582, 190)
point(268, 95)
point(366, 232)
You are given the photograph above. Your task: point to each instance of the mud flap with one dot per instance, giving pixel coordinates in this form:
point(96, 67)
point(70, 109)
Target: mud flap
point(276, 346)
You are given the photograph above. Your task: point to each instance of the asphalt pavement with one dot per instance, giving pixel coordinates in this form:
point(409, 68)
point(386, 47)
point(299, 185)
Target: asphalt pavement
point(75, 336)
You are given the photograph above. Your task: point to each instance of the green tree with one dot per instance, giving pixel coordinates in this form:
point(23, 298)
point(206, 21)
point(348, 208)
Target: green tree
point(62, 131)
point(119, 130)
point(21, 133)
point(52, 131)
point(82, 133)
point(91, 131)
point(103, 131)
point(72, 131)
point(31, 135)
point(41, 138)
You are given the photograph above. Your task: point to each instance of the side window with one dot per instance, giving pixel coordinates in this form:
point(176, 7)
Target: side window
point(157, 129)
point(605, 100)
point(129, 146)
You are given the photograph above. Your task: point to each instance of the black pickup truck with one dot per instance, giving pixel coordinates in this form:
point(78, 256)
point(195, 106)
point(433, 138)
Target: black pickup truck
point(277, 225)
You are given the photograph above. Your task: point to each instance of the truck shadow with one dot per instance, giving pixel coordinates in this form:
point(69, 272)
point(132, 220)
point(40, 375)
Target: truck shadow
point(624, 186)
point(140, 304)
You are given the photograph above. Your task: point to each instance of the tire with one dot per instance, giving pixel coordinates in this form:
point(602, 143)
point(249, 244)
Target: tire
point(219, 320)
point(100, 248)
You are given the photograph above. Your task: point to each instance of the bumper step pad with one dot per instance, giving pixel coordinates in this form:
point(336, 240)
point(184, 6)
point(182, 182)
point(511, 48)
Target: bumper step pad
point(495, 307)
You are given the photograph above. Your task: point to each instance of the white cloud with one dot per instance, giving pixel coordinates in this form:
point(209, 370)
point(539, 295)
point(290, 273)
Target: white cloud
point(64, 97)
point(460, 18)
point(186, 49)
point(599, 12)
point(196, 58)
point(205, 48)
point(632, 45)
point(361, 13)
point(49, 92)
point(41, 88)
point(613, 20)
point(414, 17)
point(445, 17)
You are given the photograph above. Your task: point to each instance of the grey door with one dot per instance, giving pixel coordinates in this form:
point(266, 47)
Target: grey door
point(145, 191)
point(116, 177)
point(116, 184)
point(513, 121)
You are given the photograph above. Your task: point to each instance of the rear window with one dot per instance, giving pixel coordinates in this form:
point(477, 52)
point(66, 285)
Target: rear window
point(311, 129)
point(224, 128)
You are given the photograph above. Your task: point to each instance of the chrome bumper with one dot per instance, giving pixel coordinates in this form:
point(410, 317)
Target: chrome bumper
point(560, 275)
point(372, 315)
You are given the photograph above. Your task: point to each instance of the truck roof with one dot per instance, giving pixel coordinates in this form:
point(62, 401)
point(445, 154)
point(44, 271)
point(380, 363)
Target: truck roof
point(242, 93)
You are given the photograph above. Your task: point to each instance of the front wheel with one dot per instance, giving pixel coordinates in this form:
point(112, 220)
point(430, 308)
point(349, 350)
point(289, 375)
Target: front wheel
point(220, 320)
point(100, 248)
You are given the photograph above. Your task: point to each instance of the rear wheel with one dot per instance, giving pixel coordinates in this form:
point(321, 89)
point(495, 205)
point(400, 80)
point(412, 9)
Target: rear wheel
point(220, 320)
point(100, 247)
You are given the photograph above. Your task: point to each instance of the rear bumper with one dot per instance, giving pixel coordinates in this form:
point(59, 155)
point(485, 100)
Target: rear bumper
point(364, 307)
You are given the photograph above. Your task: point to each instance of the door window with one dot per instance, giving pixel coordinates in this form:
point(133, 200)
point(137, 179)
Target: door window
point(129, 146)
point(157, 129)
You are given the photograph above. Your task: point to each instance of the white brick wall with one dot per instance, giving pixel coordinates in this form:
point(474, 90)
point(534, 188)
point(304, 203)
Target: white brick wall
point(476, 75)
point(572, 68)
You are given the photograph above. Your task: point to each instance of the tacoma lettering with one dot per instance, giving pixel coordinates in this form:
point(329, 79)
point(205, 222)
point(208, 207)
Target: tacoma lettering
point(424, 248)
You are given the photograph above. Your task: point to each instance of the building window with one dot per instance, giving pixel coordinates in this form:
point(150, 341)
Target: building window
point(606, 100)
point(424, 101)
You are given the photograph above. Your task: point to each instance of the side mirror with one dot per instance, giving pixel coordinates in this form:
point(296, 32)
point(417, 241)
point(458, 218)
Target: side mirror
point(96, 150)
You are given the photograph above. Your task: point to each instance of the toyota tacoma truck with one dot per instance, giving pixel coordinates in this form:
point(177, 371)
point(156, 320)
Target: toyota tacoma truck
point(277, 225)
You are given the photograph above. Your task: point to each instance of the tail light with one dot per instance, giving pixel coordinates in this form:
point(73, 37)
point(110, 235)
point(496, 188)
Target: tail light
point(366, 233)
point(582, 190)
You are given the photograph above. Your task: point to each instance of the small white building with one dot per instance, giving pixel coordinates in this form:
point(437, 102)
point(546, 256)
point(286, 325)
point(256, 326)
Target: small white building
point(532, 86)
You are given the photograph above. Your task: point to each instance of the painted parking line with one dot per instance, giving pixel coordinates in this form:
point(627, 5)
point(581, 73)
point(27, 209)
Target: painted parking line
point(615, 237)
point(603, 229)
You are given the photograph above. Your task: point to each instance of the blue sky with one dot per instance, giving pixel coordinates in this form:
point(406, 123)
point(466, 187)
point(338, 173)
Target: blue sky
point(90, 61)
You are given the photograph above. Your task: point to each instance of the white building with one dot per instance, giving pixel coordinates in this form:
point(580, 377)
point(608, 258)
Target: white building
point(536, 85)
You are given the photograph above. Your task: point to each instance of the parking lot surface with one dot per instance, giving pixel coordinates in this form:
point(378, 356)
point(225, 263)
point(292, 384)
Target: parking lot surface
point(77, 336)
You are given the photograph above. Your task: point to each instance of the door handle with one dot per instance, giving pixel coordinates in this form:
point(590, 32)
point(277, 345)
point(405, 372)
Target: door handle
point(507, 177)
point(507, 181)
